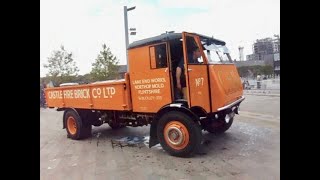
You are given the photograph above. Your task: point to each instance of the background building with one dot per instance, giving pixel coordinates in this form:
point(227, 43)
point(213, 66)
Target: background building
point(267, 51)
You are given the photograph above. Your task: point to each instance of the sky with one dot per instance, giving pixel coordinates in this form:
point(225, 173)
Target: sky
point(82, 26)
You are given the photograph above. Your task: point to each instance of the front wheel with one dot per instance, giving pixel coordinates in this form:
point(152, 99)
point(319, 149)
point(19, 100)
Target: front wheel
point(178, 134)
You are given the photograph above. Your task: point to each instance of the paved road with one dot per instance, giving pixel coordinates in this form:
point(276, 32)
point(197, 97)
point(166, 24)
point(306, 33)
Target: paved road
point(250, 149)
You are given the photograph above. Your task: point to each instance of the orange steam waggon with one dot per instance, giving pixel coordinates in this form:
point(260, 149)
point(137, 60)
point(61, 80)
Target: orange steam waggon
point(149, 93)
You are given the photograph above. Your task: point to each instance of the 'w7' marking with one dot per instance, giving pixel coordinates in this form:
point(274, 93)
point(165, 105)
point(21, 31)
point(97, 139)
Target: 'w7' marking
point(199, 82)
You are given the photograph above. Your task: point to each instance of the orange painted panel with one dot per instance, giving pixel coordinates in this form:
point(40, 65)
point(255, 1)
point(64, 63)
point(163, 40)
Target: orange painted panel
point(153, 57)
point(150, 88)
point(54, 97)
point(199, 88)
point(111, 95)
point(225, 85)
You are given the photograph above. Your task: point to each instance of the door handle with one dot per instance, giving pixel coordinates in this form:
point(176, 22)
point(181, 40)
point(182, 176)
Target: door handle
point(189, 69)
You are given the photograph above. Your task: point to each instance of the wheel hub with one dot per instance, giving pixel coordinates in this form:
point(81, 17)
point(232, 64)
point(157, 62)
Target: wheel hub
point(175, 136)
point(72, 126)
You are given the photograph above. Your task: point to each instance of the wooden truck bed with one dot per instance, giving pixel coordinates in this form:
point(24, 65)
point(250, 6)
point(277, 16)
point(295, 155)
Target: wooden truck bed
point(107, 95)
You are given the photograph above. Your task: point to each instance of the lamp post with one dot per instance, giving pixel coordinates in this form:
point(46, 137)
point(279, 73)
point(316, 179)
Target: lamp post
point(125, 11)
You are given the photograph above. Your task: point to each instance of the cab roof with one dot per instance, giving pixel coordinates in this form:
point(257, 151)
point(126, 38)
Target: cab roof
point(168, 37)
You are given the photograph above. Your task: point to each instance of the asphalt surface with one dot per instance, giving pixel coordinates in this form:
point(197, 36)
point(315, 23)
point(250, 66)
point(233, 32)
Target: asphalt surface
point(250, 149)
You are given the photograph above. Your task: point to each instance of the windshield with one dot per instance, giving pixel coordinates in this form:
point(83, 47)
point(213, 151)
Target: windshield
point(216, 53)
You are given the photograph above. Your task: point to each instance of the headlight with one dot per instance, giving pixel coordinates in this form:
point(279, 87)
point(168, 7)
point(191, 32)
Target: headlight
point(227, 118)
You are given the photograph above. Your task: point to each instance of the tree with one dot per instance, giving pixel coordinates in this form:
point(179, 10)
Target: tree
point(105, 66)
point(246, 71)
point(61, 66)
point(83, 79)
point(267, 70)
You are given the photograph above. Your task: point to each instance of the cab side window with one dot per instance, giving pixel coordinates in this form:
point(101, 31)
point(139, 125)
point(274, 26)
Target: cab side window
point(158, 56)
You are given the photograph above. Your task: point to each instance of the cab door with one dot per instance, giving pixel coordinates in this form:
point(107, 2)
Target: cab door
point(198, 83)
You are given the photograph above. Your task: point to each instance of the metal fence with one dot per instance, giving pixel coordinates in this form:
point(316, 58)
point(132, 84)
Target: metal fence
point(266, 84)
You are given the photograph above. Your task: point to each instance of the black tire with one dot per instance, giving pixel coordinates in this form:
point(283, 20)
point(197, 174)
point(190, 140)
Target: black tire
point(82, 130)
point(193, 129)
point(219, 129)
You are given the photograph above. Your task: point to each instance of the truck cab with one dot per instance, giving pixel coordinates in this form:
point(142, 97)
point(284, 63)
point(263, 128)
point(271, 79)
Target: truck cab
point(212, 83)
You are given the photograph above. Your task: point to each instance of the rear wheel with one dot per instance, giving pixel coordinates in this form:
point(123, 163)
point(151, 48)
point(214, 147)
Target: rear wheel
point(219, 126)
point(75, 127)
point(178, 134)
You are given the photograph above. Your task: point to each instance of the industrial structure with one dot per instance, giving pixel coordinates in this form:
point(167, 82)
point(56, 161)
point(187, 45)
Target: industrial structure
point(265, 51)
